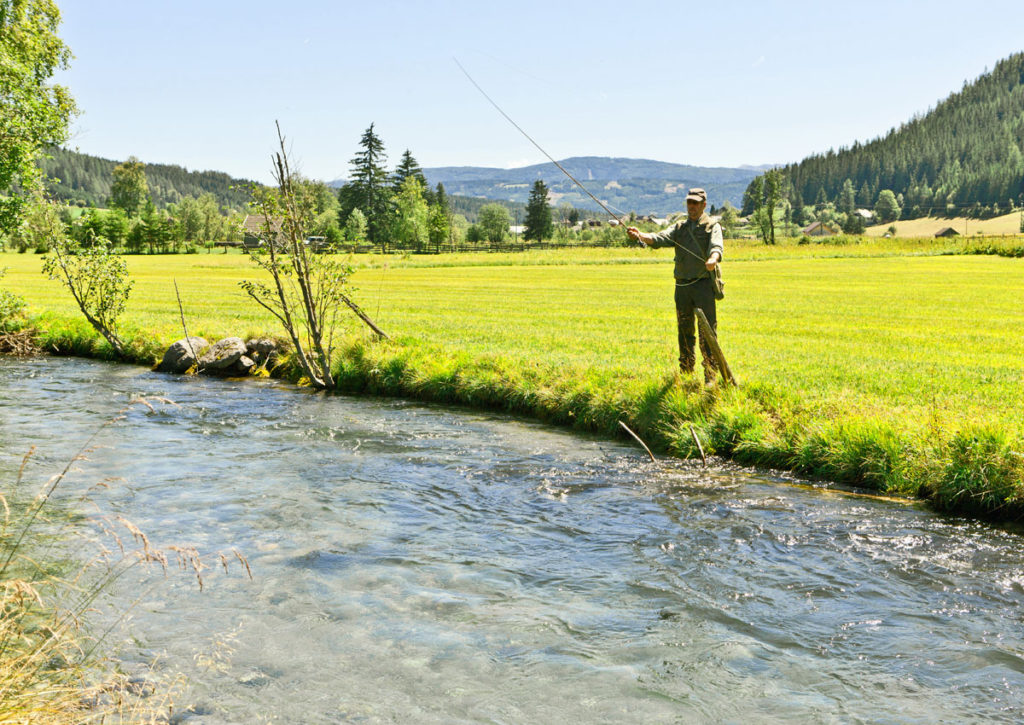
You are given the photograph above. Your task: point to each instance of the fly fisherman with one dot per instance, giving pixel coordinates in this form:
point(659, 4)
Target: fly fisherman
point(698, 243)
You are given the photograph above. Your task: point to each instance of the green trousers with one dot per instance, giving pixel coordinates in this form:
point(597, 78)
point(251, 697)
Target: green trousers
point(691, 296)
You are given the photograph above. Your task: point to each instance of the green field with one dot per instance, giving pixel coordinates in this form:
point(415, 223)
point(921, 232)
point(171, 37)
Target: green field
point(894, 366)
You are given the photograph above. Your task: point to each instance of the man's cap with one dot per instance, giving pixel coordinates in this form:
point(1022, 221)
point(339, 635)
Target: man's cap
point(697, 195)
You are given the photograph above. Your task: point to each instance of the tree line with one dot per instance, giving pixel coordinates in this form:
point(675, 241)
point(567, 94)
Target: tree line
point(82, 180)
point(964, 157)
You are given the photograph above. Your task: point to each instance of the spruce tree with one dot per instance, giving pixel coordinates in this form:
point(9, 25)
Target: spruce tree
point(368, 190)
point(407, 167)
point(538, 213)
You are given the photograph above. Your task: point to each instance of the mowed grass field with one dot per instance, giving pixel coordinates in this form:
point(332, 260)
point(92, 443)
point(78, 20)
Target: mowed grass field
point(1008, 224)
point(923, 346)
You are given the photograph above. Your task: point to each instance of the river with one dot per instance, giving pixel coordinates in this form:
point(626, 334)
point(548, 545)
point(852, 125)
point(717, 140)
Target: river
point(415, 563)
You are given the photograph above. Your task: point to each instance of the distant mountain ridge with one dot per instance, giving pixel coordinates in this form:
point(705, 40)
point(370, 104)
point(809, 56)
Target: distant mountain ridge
point(641, 185)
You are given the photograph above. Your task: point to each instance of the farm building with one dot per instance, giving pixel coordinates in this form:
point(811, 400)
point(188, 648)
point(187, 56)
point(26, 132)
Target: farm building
point(947, 232)
point(818, 229)
point(253, 230)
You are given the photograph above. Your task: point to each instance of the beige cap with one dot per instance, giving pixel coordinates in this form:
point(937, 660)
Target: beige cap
point(697, 195)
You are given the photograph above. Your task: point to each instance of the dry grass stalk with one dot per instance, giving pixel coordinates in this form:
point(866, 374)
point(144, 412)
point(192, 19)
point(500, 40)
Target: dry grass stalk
point(20, 342)
point(47, 658)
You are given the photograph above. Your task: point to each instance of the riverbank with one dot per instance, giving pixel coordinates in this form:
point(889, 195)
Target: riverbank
point(893, 368)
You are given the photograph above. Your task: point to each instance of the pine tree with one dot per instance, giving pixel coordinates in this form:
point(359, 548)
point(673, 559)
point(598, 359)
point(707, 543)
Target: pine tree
point(407, 167)
point(368, 190)
point(847, 198)
point(538, 213)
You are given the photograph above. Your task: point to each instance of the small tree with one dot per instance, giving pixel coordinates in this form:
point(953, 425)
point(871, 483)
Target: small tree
point(887, 209)
point(129, 190)
point(40, 221)
point(438, 226)
point(847, 198)
point(97, 279)
point(411, 213)
point(12, 308)
point(493, 220)
point(307, 289)
point(355, 227)
point(538, 213)
point(728, 218)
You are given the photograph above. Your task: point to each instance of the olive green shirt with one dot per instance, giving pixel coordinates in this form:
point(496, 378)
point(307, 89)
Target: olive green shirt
point(694, 243)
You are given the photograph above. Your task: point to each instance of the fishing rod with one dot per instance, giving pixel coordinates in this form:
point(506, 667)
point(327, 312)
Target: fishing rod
point(530, 139)
point(560, 167)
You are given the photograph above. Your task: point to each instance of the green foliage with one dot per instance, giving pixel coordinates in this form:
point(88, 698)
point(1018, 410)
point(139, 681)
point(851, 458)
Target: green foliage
point(97, 279)
point(538, 213)
point(129, 190)
point(409, 227)
point(728, 218)
point(494, 222)
point(355, 227)
point(475, 234)
point(981, 474)
point(887, 209)
point(41, 222)
point(438, 225)
point(847, 202)
point(33, 112)
point(12, 308)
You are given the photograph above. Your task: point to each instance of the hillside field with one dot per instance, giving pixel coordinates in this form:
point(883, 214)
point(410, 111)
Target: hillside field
point(860, 341)
point(1007, 224)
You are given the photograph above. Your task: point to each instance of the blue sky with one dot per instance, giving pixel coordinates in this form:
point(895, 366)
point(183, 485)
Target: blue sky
point(714, 84)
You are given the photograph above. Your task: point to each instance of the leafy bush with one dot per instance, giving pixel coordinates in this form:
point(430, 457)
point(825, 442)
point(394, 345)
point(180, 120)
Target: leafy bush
point(12, 308)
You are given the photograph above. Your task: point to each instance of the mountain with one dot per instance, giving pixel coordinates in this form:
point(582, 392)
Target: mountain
point(86, 180)
point(965, 156)
point(640, 185)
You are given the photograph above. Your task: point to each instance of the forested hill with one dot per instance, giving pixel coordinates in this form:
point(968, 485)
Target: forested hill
point(964, 156)
point(86, 180)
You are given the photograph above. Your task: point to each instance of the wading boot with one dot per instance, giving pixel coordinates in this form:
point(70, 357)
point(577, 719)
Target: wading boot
point(710, 376)
point(686, 365)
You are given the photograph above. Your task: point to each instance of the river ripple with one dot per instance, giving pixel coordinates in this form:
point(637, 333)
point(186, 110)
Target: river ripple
point(423, 564)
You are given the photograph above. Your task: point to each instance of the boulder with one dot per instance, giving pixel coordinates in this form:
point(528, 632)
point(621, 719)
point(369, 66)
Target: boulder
point(262, 351)
point(222, 354)
point(243, 366)
point(179, 356)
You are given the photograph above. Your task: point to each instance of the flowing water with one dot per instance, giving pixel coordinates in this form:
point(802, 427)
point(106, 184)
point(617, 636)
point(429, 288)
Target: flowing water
point(424, 564)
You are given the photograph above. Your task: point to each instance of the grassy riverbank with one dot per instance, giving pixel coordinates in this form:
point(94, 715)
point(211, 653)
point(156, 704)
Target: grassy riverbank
point(892, 365)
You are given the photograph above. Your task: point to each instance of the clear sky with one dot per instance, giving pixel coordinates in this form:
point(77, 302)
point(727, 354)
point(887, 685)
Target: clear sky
point(201, 82)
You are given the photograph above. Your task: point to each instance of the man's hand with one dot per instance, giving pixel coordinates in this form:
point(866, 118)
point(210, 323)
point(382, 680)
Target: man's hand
point(713, 261)
point(634, 234)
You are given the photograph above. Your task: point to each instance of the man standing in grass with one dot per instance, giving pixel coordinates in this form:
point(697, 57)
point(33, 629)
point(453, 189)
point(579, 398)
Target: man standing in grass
point(698, 243)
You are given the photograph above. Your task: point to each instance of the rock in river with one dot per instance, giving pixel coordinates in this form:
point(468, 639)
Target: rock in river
point(179, 357)
point(222, 354)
